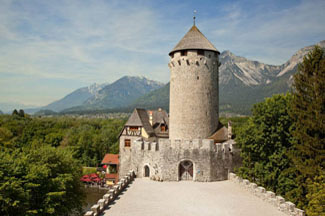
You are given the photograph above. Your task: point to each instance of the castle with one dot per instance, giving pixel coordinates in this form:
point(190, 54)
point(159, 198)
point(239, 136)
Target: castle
point(190, 143)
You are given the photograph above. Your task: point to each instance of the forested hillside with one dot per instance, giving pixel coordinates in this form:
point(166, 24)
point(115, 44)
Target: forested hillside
point(89, 139)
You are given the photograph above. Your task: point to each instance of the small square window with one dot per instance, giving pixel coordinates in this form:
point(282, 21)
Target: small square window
point(127, 143)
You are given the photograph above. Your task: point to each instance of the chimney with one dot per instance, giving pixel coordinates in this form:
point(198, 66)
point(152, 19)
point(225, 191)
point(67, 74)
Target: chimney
point(150, 117)
point(229, 130)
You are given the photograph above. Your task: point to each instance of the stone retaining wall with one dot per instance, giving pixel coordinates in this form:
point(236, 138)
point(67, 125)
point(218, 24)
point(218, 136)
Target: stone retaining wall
point(268, 196)
point(111, 195)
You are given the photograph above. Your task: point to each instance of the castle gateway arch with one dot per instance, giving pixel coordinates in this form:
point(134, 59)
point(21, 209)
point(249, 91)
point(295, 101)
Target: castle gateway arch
point(185, 170)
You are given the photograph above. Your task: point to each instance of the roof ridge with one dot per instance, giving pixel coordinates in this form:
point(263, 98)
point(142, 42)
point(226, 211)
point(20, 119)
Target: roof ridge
point(134, 118)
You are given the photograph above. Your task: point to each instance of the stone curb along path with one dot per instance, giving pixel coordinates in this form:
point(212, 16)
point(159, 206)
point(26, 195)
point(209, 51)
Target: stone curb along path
point(278, 201)
point(111, 195)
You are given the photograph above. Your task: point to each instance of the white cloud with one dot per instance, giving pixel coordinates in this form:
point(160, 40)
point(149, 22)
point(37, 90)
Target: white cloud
point(77, 41)
point(82, 42)
point(271, 36)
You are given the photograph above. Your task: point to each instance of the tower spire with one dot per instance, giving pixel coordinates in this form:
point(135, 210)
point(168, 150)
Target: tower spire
point(194, 13)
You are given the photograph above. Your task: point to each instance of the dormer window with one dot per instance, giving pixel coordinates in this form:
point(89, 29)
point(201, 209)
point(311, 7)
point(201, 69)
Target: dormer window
point(163, 128)
point(184, 53)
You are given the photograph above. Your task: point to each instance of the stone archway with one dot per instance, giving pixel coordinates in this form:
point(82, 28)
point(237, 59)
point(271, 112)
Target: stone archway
point(146, 171)
point(185, 170)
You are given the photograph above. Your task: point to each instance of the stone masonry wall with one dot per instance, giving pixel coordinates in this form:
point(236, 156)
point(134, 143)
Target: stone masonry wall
point(193, 95)
point(125, 155)
point(197, 151)
point(211, 162)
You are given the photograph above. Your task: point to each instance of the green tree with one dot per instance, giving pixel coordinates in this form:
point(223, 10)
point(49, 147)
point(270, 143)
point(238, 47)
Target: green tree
point(15, 112)
point(316, 196)
point(264, 141)
point(21, 113)
point(308, 110)
point(39, 181)
point(89, 139)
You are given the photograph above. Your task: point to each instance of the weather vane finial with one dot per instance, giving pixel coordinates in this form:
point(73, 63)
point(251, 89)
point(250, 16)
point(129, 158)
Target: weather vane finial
point(194, 13)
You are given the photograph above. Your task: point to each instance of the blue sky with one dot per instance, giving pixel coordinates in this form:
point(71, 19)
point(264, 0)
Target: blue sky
point(50, 48)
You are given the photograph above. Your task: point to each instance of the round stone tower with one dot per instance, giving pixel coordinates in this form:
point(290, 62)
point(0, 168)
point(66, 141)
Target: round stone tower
point(194, 88)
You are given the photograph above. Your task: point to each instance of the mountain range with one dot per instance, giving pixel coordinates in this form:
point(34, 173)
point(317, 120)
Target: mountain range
point(75, 98)
point(105, 96)
point(242, 83)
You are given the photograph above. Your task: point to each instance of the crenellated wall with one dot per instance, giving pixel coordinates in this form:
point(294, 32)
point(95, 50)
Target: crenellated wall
point(278, 201)
point(111, 195)
point(211, 162)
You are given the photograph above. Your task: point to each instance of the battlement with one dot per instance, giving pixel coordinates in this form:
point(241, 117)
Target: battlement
point(178, 144)
point(211, 161)
point(192, 58)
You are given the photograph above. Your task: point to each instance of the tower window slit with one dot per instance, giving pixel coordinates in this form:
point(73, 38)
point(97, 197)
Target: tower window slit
point(188, 62)
point(179, 62)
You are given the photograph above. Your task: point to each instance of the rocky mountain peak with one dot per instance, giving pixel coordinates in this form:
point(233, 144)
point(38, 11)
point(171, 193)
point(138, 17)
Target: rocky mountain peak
point(297, 58)
point(141, 79)
point(95, 87)
point(239, 70)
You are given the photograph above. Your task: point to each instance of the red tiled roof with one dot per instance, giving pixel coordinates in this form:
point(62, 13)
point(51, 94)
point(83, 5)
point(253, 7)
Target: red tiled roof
point(112, 176)
point(110, 159)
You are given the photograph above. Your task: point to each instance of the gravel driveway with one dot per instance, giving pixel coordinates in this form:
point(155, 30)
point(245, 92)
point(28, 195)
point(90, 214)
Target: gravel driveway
point(185, 198)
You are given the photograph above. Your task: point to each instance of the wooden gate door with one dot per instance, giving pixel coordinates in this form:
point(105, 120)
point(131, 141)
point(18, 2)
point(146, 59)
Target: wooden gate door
point(186, 170)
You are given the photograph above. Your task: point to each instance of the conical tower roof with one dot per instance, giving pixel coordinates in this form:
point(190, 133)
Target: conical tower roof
point(194, 39)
